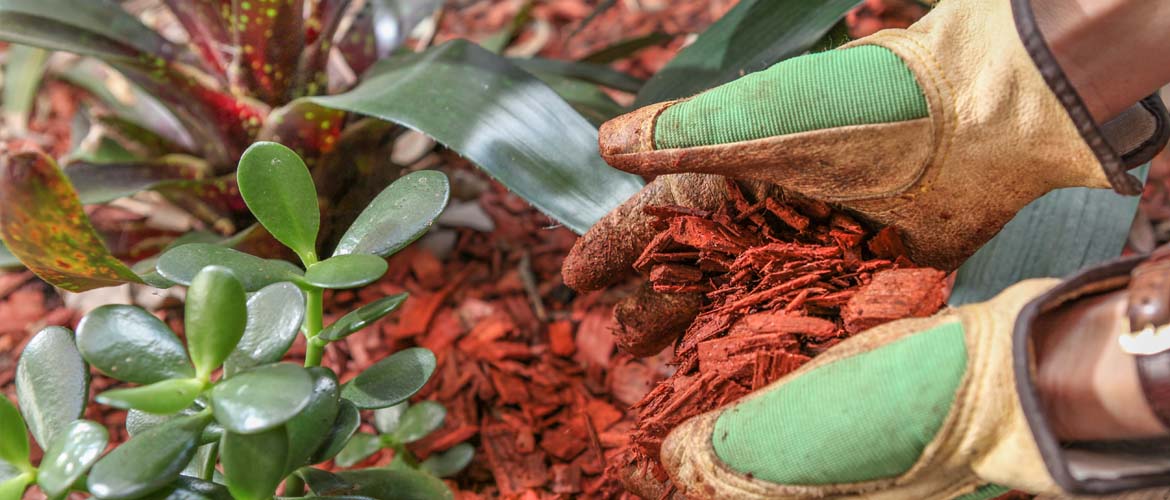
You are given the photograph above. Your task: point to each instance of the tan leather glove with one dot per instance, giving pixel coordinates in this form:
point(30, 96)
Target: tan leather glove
point(943, 130)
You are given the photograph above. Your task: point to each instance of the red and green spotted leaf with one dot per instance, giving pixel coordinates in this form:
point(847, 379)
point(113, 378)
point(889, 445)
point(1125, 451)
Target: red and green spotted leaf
point(42, 222)
point(271, 37)
point(320, 28)
point(206, 24)
point(359, 46)
point(307, 128)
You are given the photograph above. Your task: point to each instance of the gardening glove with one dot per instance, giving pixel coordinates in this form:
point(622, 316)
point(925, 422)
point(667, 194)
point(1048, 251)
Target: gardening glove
point(938, 408)
point(943, 130)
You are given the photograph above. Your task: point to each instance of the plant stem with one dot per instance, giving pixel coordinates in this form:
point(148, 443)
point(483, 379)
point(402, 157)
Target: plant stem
point(314, 322)
point(294, 486)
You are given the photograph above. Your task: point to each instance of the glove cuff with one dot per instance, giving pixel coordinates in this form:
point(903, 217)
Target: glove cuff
point(1100, 467)
point(1131, 139)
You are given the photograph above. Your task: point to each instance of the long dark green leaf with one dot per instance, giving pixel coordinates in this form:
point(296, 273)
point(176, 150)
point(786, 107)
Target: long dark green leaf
point(52, 383)
point(503, 119)
point(22, 77)
point(100, 183)
point(42, 223)
point(148, 461)
point(626, 48)
point(1054, 236)
point(99, 28)
point(752, 36)
point(588, 72)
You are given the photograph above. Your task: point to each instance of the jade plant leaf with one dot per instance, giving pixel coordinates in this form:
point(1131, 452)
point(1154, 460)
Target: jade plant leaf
point(322, 482)
point(190, 488)
point(361, 317)
point(400, 484)
point(305, 434)
point(278, 189)
point(386, 420)
point(214, 318)
point(275, 314)
point(253, 464)
point(450, 462)
point(359, 448)
point(13, 438)
point(52, 383)
point(160, 398)
point(391, 380)
point(138, 422)
point(71, 455)
point(501, 118)
point(261, 399)
point(43, 224)
point(752, 36)
point(182, 263)
point(346, 271)
point(347, 422)
point(419, 420)
point(13, 488)
point(107, 334)
point(400, 214)
point(148, 461)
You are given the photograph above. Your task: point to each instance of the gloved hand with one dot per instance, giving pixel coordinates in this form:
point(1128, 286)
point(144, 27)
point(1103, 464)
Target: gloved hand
point(943, 130)
point(958, 404)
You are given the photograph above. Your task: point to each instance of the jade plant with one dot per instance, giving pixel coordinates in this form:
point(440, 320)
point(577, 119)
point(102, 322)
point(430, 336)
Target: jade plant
point(170, 105)
point(218, 414)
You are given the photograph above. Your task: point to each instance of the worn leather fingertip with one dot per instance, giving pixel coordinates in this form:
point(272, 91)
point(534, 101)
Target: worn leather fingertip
point(584, 270)
point(649, 321)
point(629, 134)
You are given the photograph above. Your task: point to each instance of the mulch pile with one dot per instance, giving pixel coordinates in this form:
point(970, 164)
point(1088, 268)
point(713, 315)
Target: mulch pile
point(783, 280)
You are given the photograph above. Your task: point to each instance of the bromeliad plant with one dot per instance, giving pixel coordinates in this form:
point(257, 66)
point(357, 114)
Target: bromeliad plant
point(230, 72)
point(221, 416)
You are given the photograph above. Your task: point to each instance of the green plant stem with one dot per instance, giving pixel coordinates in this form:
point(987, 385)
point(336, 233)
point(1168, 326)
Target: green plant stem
point(294, 486)
point(208, 472)
point(314, 322)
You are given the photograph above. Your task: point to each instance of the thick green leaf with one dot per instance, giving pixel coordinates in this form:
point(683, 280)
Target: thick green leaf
point(90, 27)
point(419, 420)
point(253, 464)
point(43, 224)
point(261, 399)
point(190, 488)
point(13, 437)
point(501, 118)
point(205, 456)
point(598, 74)
point(1060, 233)
point(160, 398)
point(346, 271)
point(22, 77)
point(100, 183)
point(391, 380)
point(755, 34)
point(347, 422)
point(131, 345)
point(13, 488)
point(275, 314)
point(322, 482)
point(359, 448)
point(450, 462)
point(361, 317)
point(306, 430)
point(183, 262)
point(148, 461)
point(130, 103)
point(71, 455)
point(214, 318)
point(400, 214)
point(386, 420)
point(626, 48)
point(138, 422)
point(52, 383)
point(398, 484)
point(588, 99)
point(278, 189)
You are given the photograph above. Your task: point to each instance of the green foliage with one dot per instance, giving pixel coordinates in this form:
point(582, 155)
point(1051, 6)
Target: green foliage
point(402, 424)
point(258, 419)
point(280, 193)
